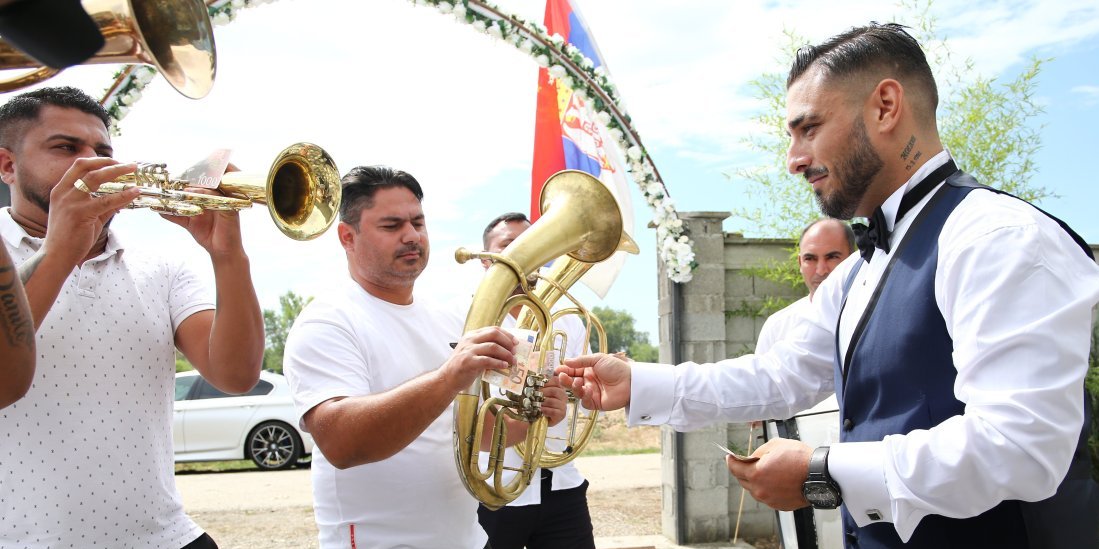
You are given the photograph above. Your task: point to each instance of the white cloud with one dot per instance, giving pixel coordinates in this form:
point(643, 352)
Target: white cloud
point(1090, 94)
point(997, 35)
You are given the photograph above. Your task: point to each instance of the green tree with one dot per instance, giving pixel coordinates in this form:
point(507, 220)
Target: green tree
point(622, 336)
point(277, 325)
point(182, 364)
point(987, 123)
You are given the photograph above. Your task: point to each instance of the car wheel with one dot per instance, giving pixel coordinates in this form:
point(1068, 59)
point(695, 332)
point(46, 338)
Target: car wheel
point(273, 445)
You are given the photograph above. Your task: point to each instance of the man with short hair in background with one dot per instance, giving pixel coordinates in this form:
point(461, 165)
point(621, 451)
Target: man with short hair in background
point(824, 243)
point(553, 511)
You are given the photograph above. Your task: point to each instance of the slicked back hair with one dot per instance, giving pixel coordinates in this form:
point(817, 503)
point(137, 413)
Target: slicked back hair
point(509, 217)
point(363, 182)
point(885, 50)
point(19, 112)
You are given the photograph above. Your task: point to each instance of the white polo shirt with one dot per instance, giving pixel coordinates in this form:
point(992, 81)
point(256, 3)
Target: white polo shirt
point(86, 457)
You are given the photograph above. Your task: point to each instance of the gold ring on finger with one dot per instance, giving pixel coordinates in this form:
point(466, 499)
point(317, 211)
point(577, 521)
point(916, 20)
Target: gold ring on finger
point(82, 186)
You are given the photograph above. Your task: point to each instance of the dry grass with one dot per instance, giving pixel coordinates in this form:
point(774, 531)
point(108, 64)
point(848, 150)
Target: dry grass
point(612, 437)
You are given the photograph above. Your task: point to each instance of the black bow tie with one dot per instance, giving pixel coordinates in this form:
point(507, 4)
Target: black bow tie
point(877, 233)
point(874, 235)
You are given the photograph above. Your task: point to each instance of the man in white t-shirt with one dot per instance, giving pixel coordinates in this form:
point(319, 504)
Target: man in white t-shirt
point(373, 375)
point(109, 320)
point(824, 243)
point(551, 512)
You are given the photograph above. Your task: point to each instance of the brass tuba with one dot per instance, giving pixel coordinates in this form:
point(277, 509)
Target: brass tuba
point(580, 226)
point(302, 191)
point(175, 36)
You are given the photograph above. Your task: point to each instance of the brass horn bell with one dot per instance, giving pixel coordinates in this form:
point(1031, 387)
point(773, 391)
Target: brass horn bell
point(302, 191)
point(175, 36)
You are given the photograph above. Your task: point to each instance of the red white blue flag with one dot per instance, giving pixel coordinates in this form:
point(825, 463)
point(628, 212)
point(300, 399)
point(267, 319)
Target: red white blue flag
point(567, 136)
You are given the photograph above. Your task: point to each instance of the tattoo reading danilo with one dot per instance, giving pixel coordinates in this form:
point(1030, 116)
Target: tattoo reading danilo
point(15, 325)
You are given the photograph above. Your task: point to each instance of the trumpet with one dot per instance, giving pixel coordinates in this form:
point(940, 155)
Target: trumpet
point(301, 190)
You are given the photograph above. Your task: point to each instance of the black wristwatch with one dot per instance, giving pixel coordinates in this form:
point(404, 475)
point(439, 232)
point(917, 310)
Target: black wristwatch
point(819, 488)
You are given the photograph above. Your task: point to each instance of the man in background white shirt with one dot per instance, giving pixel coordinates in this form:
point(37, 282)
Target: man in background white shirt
point(957, 340)
point(824, 243)
point(553, 511)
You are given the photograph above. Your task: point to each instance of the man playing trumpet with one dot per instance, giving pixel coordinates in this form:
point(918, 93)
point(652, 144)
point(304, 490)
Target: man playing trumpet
point(87, 452)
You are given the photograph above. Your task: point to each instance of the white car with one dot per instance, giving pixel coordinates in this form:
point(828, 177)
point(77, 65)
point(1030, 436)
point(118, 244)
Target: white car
point(260, 425)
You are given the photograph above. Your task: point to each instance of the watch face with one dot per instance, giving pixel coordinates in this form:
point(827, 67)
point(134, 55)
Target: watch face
point(821, 495)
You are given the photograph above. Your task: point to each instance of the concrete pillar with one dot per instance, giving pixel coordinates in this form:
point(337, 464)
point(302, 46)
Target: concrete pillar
point(695, 487)
point(701, 500)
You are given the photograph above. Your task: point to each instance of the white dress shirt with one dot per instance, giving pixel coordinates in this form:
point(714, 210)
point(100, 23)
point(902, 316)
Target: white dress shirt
point(780, 322)
point(1016, 293)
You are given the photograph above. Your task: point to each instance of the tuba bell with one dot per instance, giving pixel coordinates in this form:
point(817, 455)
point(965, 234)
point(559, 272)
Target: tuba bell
point(580, 226)
point(302, 191)
point(175, 36)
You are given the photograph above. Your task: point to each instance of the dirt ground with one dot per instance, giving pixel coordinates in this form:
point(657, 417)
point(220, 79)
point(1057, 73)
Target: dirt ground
point(244, 508)
point(252, 510)
point(616, 513)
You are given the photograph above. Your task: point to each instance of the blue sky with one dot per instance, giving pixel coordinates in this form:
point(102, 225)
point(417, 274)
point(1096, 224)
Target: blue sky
point(386, 82)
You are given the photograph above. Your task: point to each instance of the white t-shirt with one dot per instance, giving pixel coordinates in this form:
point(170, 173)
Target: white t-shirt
point(349, 344)
point(86, 457)
point(566, 476)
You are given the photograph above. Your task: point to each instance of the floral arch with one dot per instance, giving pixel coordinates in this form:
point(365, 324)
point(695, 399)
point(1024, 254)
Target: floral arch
point(564, 61)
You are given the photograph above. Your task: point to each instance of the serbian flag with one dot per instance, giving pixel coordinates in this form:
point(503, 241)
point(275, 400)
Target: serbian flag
point(566, 136)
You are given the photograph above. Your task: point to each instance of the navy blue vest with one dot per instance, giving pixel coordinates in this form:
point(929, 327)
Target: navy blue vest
point(900, 377)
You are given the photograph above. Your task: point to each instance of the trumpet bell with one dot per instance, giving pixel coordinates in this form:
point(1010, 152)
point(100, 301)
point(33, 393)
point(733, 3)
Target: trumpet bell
point(302, 190)
point(175, 36)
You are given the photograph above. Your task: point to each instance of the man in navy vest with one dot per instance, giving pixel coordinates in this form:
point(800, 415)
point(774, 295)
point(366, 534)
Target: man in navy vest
point(956, 341)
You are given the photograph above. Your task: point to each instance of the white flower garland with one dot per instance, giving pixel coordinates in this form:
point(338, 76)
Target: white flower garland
point(564, 62)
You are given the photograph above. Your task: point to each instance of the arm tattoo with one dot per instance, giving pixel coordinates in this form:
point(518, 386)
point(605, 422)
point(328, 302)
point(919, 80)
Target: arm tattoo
point(15, 320)
point(27, 268)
